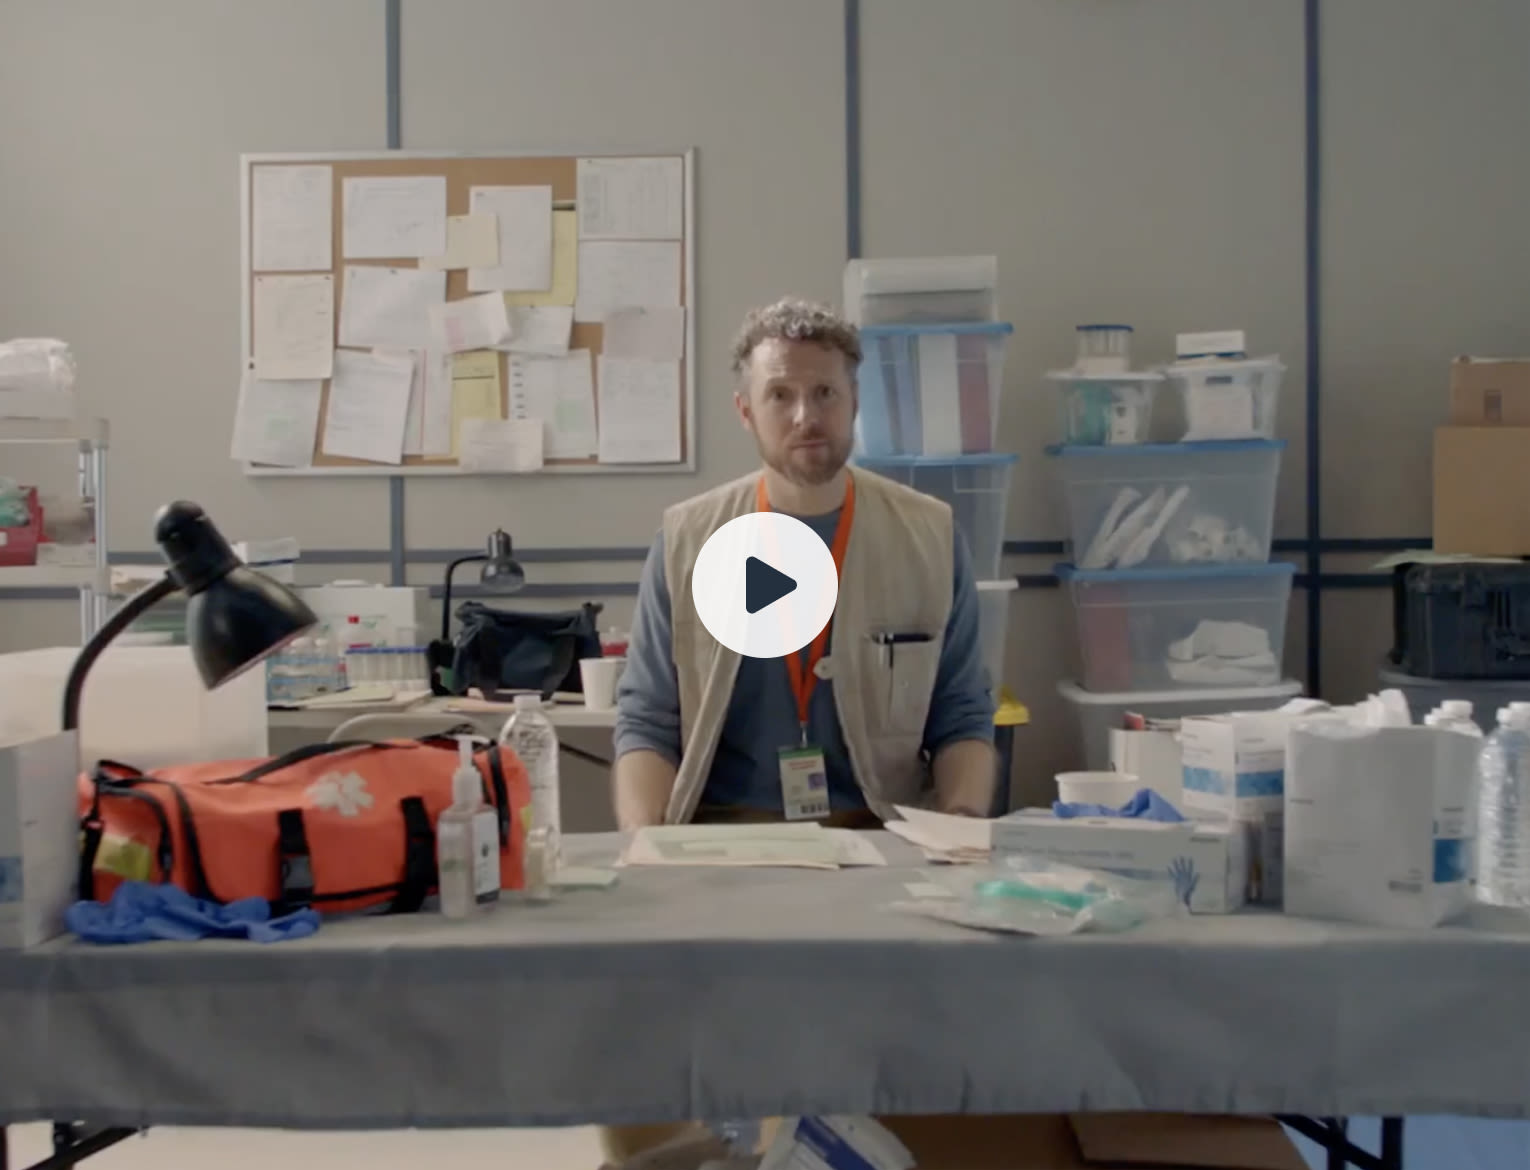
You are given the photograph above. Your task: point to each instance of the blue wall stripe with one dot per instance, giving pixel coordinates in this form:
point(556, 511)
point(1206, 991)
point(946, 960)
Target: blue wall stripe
point(1312, 70)
point(393, 69)
point(852, 129)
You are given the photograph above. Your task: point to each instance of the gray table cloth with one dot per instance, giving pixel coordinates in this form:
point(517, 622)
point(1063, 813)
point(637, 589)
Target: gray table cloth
point(743, 993)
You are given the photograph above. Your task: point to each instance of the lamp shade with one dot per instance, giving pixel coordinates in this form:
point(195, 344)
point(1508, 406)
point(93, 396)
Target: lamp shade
point(501, 572)
point(235, 616)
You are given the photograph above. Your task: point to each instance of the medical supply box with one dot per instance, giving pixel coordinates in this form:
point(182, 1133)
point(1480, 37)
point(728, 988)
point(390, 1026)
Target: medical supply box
point(361, 614)
point(1486, 392)
point(1206, 863)
point(39, 838)
point(1482, 490)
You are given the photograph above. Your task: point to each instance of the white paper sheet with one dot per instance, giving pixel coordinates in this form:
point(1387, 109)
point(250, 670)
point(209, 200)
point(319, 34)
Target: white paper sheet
point(805, 846)
point(613, 275)
point(290, 223)
point(471, 323)
point(525, 238)
point(414, 424)
point(543, 331)
point(654, 332)
point(471, 241)
point(631, 198)
point(275, 422)
point(294, 327)
point(500, 444)
point(388, 307)
point(639, 411)
point(560, 391)
point(368, 406)
point(952, 833)
point(389, 217)
point(436, 412)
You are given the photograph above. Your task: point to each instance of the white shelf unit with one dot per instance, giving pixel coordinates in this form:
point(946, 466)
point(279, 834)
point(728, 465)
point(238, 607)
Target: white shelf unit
point(89, 439)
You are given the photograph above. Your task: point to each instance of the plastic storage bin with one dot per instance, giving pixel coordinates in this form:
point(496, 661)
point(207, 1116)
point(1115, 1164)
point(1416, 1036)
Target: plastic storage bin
point(921, 289)
point(1169, 629)
point(976, 487)
point(993, 626)
point(1176, 503)
point(1228, 399)
point(1098, 713)
point(930, 389)
point(1103, 349)
point(1106, 410)
point(1469, 620)
point(1485, 695)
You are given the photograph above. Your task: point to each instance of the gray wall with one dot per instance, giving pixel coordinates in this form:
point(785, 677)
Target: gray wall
point(1127, 160)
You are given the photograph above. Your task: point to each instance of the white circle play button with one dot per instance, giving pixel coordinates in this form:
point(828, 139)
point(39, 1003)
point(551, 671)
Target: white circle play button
point(764, 585)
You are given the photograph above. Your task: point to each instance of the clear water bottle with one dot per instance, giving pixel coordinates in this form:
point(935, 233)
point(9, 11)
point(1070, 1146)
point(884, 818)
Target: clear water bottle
point(1503, 810)
point(530, 734)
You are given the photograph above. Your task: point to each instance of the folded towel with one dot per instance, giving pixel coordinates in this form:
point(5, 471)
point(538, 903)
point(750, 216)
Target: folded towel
point(1146, 805)
point(144, 912)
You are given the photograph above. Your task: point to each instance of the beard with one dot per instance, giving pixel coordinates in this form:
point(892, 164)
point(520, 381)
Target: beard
point(806, 466)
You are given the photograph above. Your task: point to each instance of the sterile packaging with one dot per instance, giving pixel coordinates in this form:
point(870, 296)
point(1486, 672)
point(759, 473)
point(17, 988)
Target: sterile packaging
point(1205, 865)
point(39, 838)
point(1151, 756)
point(1379, 823)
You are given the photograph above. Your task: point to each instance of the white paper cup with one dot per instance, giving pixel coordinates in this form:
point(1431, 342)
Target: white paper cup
point(599, 676)
point(1112, 789)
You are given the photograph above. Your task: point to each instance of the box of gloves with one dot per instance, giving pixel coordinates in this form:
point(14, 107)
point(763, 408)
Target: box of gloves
point(39, 835)
point(1206, 863)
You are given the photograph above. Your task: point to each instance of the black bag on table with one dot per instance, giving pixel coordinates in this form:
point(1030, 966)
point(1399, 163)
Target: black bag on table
point(502, 650)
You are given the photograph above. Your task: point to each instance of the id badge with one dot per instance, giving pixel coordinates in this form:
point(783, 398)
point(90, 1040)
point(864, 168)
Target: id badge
point(804, 783)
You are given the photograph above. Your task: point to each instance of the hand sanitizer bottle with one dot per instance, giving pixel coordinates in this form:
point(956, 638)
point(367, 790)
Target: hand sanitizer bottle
point(467, 842)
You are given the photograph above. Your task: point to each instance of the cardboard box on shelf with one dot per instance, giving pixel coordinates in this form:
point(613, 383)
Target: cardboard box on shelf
point(1482, 490)
point(1490, 392)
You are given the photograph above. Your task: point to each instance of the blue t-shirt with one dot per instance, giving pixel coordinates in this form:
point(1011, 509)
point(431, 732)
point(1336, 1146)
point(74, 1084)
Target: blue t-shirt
point(762, 714)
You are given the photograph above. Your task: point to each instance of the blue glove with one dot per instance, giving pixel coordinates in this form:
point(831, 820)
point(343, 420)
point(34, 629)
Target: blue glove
point(1146, 805)
point(145, 912)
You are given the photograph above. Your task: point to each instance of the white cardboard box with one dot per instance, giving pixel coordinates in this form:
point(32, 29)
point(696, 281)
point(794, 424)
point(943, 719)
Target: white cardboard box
point(39, 838)
point(386, 615)
point(1234, 771)
point(1206, 862)
point(1151, 756)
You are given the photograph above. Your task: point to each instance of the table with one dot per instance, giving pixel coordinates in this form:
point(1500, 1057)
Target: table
point(325, 719)
point(715, 994)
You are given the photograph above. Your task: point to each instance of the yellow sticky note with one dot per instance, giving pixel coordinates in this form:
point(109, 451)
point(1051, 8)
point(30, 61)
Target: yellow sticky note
point(475, 388)
point(565, 264)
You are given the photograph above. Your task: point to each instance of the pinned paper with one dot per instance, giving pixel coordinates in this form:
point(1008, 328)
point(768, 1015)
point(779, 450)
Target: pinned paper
point(388, 307)
point(436, 420)
point(631, 198)
point(499, 444)
point(613, 275)
point(540, 330)
point(472, 323)
point(275, 422)
point(656, 333)
point(294, 323)
point(561, 393)
point(475, 389)
point(390, 217)
point(414, 424)
point(565, 266)
point(525, 229)
point(639, 411)
point(368, 406)
point(472, 241)
point(290, 228)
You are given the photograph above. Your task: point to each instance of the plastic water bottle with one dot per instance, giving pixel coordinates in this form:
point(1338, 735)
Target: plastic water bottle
point(530, 734)
point(1454, 715)
point(1503, 810)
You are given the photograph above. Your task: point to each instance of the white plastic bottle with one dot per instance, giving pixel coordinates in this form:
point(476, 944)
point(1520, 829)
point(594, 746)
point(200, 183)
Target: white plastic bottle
point(531, 736)
point(1454, 715)
point(467, 842)
point(1503, 810)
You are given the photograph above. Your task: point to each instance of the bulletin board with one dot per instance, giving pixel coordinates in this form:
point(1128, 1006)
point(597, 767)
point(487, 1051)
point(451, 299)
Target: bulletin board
point(463, 171)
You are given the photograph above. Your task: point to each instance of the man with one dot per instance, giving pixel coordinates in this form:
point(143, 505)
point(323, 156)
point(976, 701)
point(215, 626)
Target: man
point(701, 730)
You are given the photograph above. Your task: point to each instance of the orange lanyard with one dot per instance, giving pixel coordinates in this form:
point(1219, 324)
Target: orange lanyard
point(802, 673)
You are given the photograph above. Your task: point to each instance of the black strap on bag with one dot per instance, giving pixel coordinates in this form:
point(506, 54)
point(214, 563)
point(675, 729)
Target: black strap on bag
point(295, 862)
point(419, 857)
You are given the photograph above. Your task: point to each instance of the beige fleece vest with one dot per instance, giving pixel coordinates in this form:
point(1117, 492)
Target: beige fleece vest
point(896, 579)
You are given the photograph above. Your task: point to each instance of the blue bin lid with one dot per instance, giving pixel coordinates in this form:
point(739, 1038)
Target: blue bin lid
point(1077, 450)
point(983, 459)
point(994, 328)
point(1202, 572)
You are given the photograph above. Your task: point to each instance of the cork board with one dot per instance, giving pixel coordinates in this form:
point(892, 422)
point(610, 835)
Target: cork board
point(463, 172)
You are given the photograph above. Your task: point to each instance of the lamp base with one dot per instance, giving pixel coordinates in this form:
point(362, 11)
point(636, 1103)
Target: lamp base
point(438, 660)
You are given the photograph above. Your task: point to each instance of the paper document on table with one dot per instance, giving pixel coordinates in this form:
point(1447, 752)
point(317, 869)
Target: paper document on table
point(368, 406)
point(539, 329)
point(561, 392)
point(500, 444)
point(414, 419)
point(472, 241)
point(953, 833)
point(525, 229)
point(294, 326)
point(275, 422)
point(804, 846)
point(631, 198)
point(856, 849)
point(639, 411)
point(436, 409)
point(388, 307)
point(471, 323)
point(475, 389)
point(389, 217)
point(653, 332)
point(565, 266)
point(613, 274)
point(290, 221)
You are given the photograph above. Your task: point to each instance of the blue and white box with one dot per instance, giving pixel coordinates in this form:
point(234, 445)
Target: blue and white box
point(39, 837)
point(1206, 864)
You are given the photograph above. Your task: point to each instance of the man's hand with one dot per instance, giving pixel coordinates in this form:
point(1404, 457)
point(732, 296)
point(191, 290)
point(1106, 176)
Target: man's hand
point(641, 782)
point(965, 775)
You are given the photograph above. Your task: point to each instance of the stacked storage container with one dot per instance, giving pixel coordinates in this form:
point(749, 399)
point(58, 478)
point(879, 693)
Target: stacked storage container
point(1177, 603)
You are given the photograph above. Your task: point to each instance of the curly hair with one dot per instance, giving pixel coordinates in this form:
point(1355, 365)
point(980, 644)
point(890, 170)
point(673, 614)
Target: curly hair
point(794, 319)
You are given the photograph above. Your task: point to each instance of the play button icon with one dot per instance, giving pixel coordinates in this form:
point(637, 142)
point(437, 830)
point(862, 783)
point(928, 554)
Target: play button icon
point(764, 584)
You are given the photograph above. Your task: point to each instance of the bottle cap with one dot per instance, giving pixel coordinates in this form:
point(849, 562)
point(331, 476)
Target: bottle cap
point(528, 702)
point(466, 786)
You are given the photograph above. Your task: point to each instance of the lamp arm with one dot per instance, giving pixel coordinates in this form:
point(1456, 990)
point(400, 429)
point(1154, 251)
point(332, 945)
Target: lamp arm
point(132, 610)
point(446, 596)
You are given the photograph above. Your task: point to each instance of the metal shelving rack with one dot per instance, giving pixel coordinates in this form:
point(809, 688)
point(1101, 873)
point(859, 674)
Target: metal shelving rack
point(89, 438)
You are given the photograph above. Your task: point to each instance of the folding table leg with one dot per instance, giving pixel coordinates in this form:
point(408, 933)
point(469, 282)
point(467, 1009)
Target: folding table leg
point(1391, 1143)
point(1338, 1150)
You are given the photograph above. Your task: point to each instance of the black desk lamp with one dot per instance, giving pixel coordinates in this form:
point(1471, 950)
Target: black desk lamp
point(501, 573)
point(235, 616)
